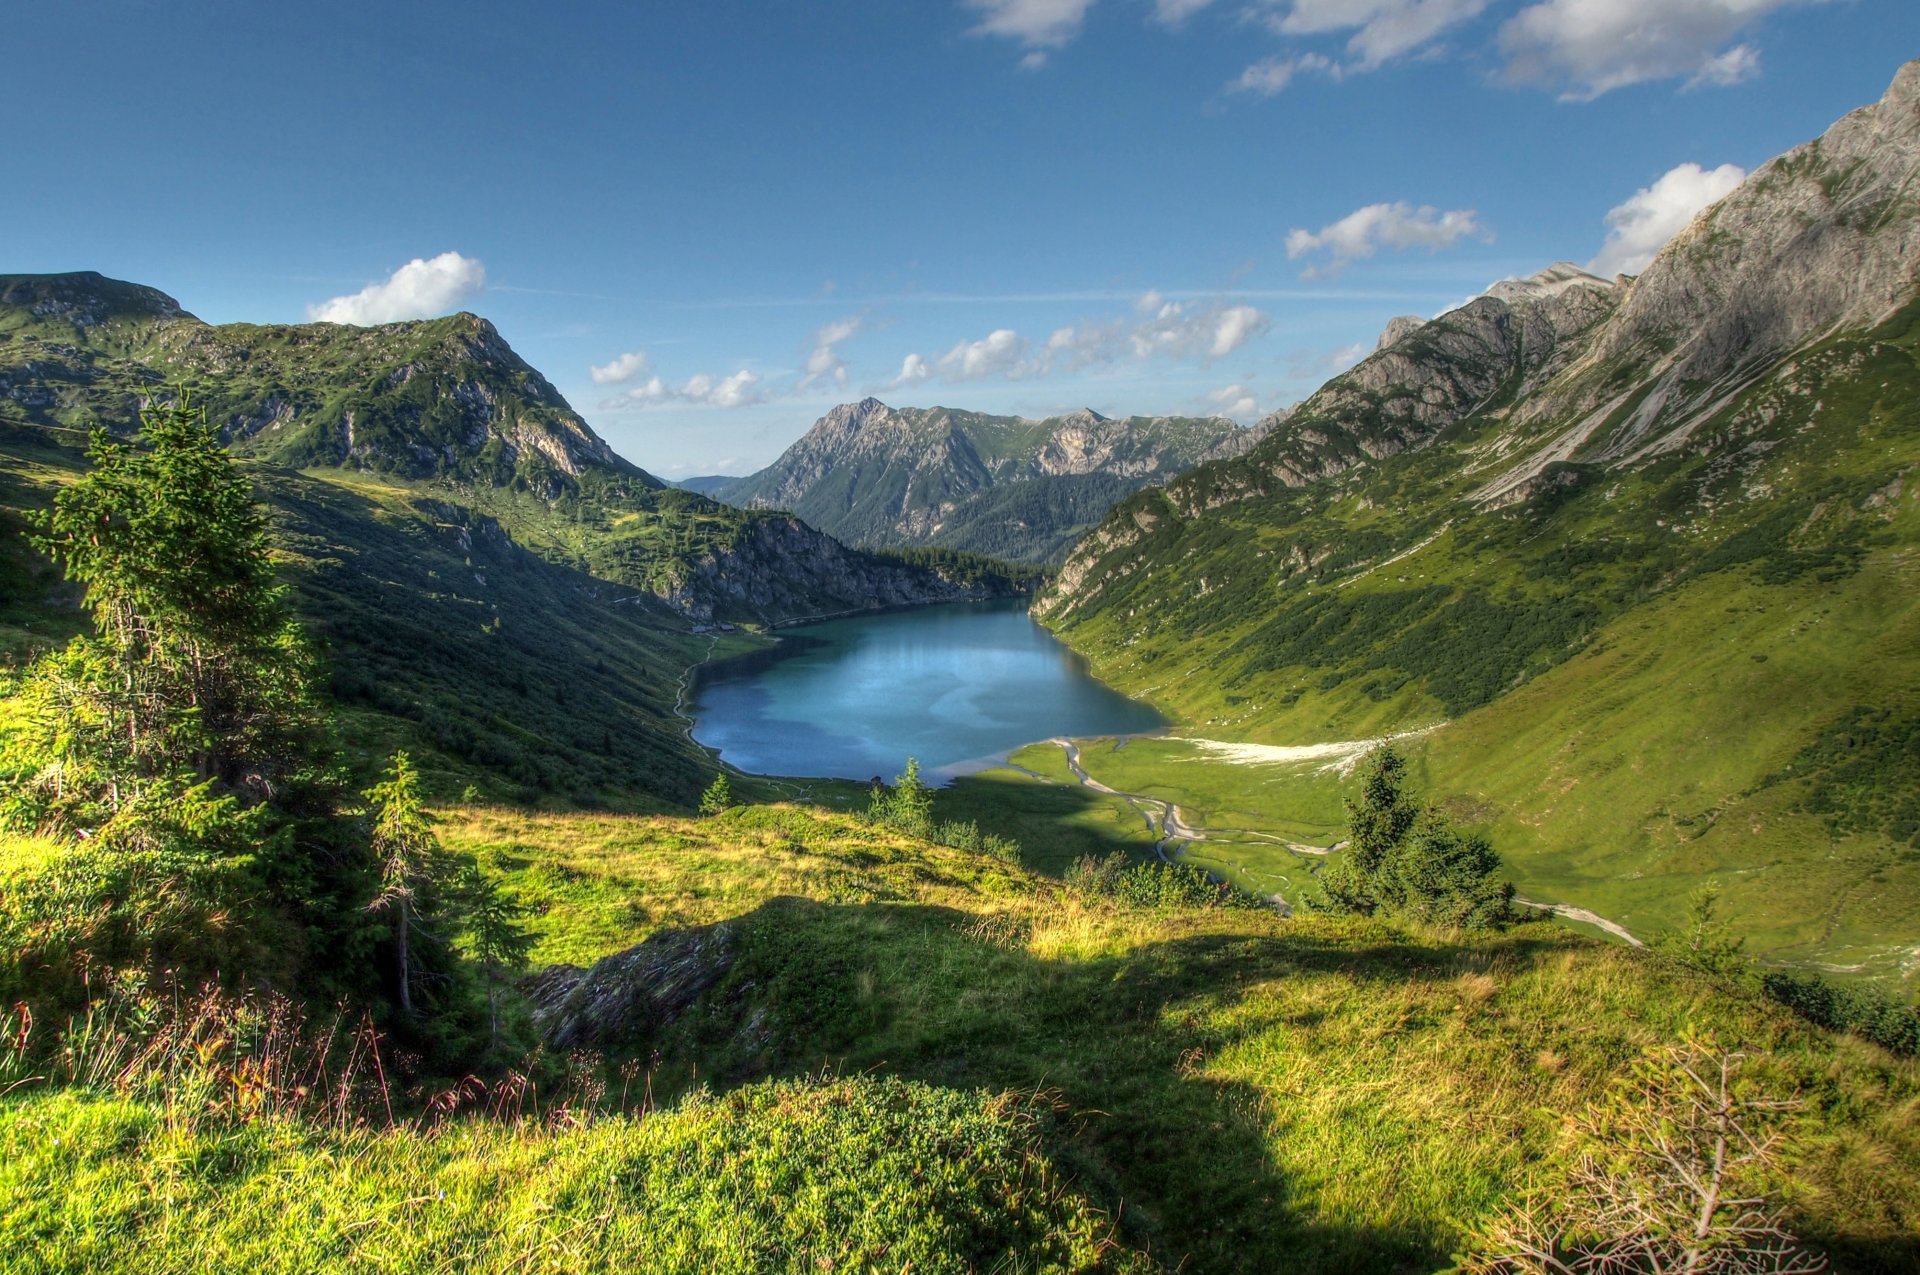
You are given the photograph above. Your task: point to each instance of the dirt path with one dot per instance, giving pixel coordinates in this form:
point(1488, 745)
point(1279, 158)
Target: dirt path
point(1168, 823)
point(1583, 916)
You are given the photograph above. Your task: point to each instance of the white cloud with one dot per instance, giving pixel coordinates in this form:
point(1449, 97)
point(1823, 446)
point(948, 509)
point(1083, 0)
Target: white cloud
point(913, 370)
point(622, 369)
point(1171, 13)
point(1269, 76)
point(1002, 352)
point(1036, 24)
point(1397, 225)
point(1735, 66)
point(421, 289)
point(1640, 227)
point(825, 359)
point(1318, 365)
point(738, 390)
point(1588, 47)
point(733, 391)
point(1166, 329)
point(1233, 327)
point(1382, 29)
point(1236, 401)
point(1157, 329)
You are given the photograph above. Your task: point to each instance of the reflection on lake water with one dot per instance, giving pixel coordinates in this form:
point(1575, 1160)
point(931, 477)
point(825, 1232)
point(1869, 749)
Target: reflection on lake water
point(956, 686)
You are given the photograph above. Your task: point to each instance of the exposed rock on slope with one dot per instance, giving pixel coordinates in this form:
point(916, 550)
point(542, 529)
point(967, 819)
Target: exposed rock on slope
point(1015, 488)
point(624, 998)
point(1822, 239)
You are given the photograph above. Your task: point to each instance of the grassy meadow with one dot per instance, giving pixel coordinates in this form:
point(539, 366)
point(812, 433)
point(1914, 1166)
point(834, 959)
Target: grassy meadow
point(938, 1060)
point(1243, 1090)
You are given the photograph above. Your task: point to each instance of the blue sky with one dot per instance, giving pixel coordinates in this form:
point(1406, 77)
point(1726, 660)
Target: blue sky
point(708, 222)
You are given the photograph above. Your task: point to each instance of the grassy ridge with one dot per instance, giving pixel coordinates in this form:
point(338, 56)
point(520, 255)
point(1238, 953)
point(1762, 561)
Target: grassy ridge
point(1042, 1081)
point(500, 669)
point(1256, 1092)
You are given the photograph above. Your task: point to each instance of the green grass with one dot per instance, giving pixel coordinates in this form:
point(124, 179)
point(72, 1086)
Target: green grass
point(1032, 1073)
point(849, 1175)
point(1257, 1093)
point(1055, 821)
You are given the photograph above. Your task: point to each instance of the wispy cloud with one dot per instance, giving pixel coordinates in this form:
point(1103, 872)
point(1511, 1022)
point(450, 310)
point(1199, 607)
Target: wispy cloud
point(424, 288)
point(1037, 25)
point(1363, 231)
point(1640, 227)
point(913, 370)
point(1171, 13)
point(1577, 48)
point(1235, 401)
point(1155, 329)
point(1270, 76)
point(825, 360)
point(742, 389)
point(1585, 48)
point(1094, 295)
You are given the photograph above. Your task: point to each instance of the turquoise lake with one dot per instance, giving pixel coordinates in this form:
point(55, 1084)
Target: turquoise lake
point(957, 686)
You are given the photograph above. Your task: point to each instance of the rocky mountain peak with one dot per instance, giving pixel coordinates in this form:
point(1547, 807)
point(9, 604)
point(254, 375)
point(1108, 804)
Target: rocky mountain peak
point(1551, 282)
point(84, 299)
point(848, 419)
point(1825, 237)
point(1399, 327)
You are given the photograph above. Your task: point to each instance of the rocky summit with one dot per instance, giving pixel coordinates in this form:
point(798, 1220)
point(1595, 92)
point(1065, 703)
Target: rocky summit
point(1018, 489)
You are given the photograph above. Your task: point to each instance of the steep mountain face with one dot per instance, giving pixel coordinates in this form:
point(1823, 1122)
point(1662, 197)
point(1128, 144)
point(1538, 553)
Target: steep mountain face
point(1823, 239)
point(442, 405)
point(1002, 485)
point(1528, 516)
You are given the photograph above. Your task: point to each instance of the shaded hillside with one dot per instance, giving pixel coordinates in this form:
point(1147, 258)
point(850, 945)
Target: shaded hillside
point(500, 668)
point(1648, 544)
point(1014, 488)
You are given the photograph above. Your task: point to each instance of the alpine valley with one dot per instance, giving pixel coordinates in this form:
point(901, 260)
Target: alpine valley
point(1528, 882)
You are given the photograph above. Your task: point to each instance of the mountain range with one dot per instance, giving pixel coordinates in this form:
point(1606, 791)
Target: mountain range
point(1017, 489)
point(1641, 555)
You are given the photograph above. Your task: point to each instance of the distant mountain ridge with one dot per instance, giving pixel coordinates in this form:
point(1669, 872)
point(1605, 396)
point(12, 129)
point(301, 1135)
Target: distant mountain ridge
point(1008, 486)
point(1647, 544)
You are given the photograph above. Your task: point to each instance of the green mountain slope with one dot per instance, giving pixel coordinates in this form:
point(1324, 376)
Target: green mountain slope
point(1018, 489)
point(1648, 547)
point(444, 406)
point(491, 581)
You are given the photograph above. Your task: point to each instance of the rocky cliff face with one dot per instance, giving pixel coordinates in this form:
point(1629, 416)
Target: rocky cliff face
point(1426, 376)
point(782, 571)
point(1547, 382)
point(877, 475)
point(1823, 239)
point(1565, 369)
